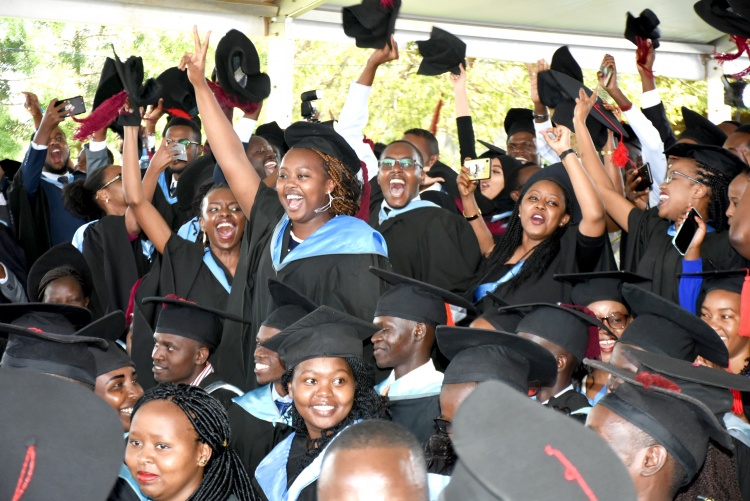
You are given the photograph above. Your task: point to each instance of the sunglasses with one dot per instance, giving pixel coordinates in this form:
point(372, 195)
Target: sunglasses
point(443, 425)
point(405, 163)
point(118, 177)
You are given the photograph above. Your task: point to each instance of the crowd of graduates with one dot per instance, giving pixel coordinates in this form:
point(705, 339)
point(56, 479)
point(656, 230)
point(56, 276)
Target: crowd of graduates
point(243, 312)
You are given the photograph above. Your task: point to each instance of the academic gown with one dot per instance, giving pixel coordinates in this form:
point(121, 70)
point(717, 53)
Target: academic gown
point(219, 389)
point(257, 426)
point(428, 243)
point(330, 267)
point(116, 263)
point(650, 253)
point(181, 271)
point(572, 403)
point(12, 257)
point(440, 198)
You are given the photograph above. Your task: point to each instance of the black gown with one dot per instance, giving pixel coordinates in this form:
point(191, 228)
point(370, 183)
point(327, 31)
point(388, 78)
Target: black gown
point(650, 253)
point(416, 415)
point(254, 438)
point(439, 198)
point(218, 390)
point(179, 271)
point(432, 245)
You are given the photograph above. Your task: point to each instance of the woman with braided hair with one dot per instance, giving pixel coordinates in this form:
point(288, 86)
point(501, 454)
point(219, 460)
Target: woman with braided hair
point(303, 233)
point(178, 448)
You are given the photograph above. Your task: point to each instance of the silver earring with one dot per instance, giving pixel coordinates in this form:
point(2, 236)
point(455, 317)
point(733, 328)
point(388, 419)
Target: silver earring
point(327, 206)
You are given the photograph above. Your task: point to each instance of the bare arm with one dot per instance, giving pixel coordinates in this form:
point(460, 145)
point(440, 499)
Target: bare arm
point(459, 91)
point(466, 188)
point(226, 146)
point(147, 217)
point(739, 231)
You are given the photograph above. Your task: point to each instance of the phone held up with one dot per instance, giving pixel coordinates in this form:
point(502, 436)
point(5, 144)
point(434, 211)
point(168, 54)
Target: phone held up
point(479, 168)
point(644, 172)
point(607, 72)
point(684, 236)
point(181, 150)
point(75, 105)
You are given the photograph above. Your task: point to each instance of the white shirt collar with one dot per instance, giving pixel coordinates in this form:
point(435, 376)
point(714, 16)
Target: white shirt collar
point(276, 396)
point(385, 205)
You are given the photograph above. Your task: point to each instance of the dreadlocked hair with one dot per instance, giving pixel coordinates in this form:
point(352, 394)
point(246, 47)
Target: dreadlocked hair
point(224, 474)
point(79, 196)
point(719, 201)
point(717, 478)
point(205, 189)
point(60, 272)
point(347, 188)
point(536, 264)
point(367, 405)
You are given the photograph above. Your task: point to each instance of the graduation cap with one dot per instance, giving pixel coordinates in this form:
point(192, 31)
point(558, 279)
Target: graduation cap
point(291, 305)
point(113, 356)
point(492, 150)
point(644, 27)
point(632, 138)
point(478, 355)
point(238, 68)
point(274, 134)
point(411, 299)
point(714, 157)
point(109, 99)
point(41, 338)
point(181, 317)
point(192, 178)
point(10, 167)
point(727, 16)
point(140, 93)
point(599, 285)
point(558, 175)
point(660, 326)
point(735, 281)
point(324, 333)
point(321, 137)
point(565, 326)
point(569, 462)
point(710, 386)
point(564, 62)
point(443, 52)
point(371, 23)
point(659, 407)
point(519, 120)
point(177, 93)
point(61, 260)
point(563, 115)
point(701, 130)
point(59, 440)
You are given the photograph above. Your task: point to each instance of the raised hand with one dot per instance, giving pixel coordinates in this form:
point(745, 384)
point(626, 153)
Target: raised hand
point(163, 157)
point(638, 198)
point(608, 82)
point(584, 103)
point(386, 54)
point(558, 138)
point(466, 186)
point(459, 81)
point(195, 62)
point(534, 71)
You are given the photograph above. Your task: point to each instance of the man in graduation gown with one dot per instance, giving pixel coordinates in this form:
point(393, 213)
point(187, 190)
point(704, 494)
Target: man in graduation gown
point(407, 315)
point(258, 418)
point(425, 242)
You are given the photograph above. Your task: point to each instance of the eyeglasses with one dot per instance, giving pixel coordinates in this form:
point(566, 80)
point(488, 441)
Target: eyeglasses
point(405, 163)
point(615, 320)
point(118, 177)
point(671, 173)
point(444, 425)
point(184, 142)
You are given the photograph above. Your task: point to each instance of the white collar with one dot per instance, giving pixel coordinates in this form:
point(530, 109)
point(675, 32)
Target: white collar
point(568, 388)
point(276, 396)
point(55, 177)
point(417, 378)
point(385, 205)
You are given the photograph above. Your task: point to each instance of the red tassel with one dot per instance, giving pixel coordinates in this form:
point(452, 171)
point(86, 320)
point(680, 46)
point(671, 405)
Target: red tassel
point(745, 307)
point(649, 379)
point(176, 112)
point(229, 101)
point(620, 157)
point(386, 4)
point(449, 315)
point(642, 54)
point(737, 408)
point(364, 201)
point(101, 117)
point(369, 142)
point(436, 116)
point(130, 312)
point(742, 48)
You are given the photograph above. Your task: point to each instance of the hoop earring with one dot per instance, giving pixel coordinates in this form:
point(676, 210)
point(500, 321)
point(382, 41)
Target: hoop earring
point(327, 206)
point(205, 238)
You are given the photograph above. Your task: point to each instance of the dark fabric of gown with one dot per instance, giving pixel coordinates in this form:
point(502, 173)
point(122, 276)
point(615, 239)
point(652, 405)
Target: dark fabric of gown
point(254, 438)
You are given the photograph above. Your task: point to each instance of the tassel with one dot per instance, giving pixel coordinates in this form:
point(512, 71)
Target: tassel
point(176, 112)
point(737, 408)
point(649, 379)
point(229, 101)
point(436, 116)
point(386, 4)
point(745, 307)
point(620, 157)
point(742, 48)
point(101, 117)
point(369, 142)
point(642, 54)
point(449, 316)
point(364, 200)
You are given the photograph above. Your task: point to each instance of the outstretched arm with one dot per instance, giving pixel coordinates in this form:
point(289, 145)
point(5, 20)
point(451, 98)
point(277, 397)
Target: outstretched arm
point(226, 146)
point(466, 188)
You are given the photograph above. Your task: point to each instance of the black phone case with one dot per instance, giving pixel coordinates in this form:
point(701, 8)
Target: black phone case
point(647, 178)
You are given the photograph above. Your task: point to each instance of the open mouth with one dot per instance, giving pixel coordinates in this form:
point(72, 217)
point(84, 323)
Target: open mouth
point(323, 410)
point(537, 219)
point(270, 167)
point(226, 230)
point(663, 197)
point(261, 367)
point(128, 411)
point(397, 187)
point(294, 202)
point(607, 345)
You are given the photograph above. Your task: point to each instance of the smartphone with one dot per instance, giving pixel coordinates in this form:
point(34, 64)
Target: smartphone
point(684, 236)
point(479, 168)
point(181, 152)
point(644, 172)
point(607, 72)
point(75, 105)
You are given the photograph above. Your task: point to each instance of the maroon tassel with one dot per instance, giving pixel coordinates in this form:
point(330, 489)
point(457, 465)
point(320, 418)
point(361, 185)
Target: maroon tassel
point(101, 117)
point(130, 312)
point(742, 48)
point(176, 112)
point(364, 201)
point(642, 54)
point(649, 379)
point(436, 116)
point(593, 349)
point(229, 101)
point(369, 142)
point(745, 307)
point(386, 4)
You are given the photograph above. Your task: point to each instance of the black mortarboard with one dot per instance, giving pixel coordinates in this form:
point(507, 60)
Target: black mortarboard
point(324, 333)
point(193, 176)
point(317, 136)
point(558, 175)
point(59, 440)
point(502, 320)
point(113, 356)
point(274, 134)
point(140, 93)
point(238, 68)
point(632, 138)
point(65, 256)
point(185, 318)
point(519, 120)
point(715, 157)
point(599, 285)
point(42, 339)
point(10, 167)
point(414, 300)
point(564, 62)
point(371, 23)
point(723, 16)
point(492, 150)
point(564, 326)
point(177, 92)
point(478, 355)
point(109, 83)
point(291, 305)
point(677, 421)
point(645, 26)
point(570, 462)
point(710, 386)
point(76, 316)
point(732, 281)
point(443, 52)
point(107, 103)
point(741, 8)
point(563, 115)
point(701, 130)
point(660, 326)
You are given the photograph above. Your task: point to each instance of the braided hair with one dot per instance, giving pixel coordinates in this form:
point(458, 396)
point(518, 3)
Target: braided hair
point(717, 478)
point(719, 201)
point(57, 273)
point(539, 260)
point(367, 405)
point(347, 188)
point(79, 196)
point(224, 474)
